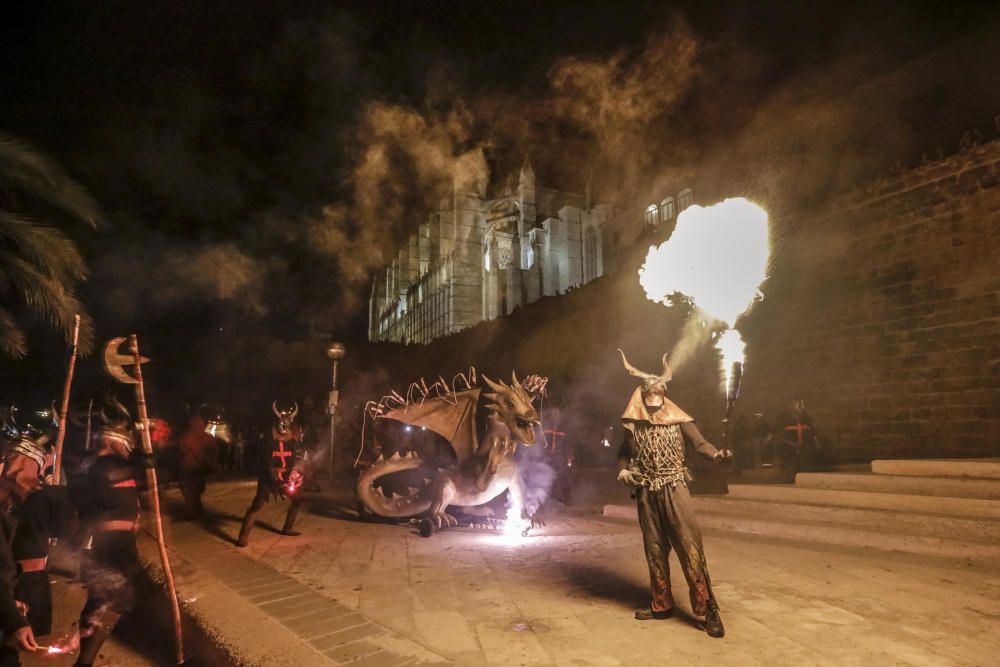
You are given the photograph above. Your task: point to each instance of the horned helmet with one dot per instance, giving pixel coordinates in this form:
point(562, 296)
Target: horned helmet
point(285, 417)
point(115, 431)
point(30, 433)
point(651, 382)
point(512, 405)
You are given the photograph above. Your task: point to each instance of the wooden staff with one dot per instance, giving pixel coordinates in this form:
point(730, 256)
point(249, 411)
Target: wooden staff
point(87, 430)
point(64, 410)
point(154, 493)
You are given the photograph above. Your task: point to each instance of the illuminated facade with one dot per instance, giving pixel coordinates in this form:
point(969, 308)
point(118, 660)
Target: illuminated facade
point(478, 258)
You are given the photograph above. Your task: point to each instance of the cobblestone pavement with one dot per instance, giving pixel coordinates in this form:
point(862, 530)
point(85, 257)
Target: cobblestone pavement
point(565, 595)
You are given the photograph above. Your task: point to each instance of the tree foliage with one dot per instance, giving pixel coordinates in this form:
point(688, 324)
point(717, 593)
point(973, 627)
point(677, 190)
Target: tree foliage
point(40, 265)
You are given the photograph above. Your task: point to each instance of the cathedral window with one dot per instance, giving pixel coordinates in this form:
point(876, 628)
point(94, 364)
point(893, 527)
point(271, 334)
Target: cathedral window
point(652, 215)
point(667, 209)
point(590, 254)
point(684, 199)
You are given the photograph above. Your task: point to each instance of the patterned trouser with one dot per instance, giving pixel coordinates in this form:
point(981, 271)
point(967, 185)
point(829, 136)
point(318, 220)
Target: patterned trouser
point(667, 519)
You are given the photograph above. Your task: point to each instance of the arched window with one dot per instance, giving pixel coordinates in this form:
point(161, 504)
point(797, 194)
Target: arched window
point(590, 254)
point(652, 215)
point(667, 209)
point(684, 199)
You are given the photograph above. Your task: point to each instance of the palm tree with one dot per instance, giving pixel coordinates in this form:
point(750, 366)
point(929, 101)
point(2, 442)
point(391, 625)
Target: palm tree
point(40, 265)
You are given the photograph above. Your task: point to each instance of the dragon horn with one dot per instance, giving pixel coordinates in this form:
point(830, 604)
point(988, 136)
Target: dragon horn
point(499, 388)
point(667, 373)
point(274, 408)
point(295, 410)
point(517, 383)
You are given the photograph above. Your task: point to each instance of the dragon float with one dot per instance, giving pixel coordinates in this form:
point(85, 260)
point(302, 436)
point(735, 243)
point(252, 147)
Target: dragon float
point(479, 432)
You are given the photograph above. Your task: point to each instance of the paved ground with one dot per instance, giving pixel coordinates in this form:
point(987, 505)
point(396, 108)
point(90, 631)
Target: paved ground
point(565, 595)
point(68, 599)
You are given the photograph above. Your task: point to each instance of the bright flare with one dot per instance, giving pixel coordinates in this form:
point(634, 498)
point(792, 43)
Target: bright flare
point(717, 256)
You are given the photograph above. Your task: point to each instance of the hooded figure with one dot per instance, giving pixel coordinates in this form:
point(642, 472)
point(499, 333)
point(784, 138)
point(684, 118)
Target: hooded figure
point(651, 459)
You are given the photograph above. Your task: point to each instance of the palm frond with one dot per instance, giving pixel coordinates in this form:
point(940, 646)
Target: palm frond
point(13, 342)
point(44, 295)
point(31, 170)
point(51, 251)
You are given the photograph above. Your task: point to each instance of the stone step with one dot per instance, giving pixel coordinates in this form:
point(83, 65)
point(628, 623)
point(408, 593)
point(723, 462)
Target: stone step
point(952, 487)
point(981, 468)
point(921, 504)
point(844, 535)
point(826, 532)
point(894, 520)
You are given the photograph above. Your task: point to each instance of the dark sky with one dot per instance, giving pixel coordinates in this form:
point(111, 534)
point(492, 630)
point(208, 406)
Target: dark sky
point(226, 139)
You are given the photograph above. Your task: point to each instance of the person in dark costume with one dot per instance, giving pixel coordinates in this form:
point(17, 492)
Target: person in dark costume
point(279, 474)
point(198, 457)
point(23, 463)
point(795, 438)
point(651, 459)
point(106, 497)
point(40, 515)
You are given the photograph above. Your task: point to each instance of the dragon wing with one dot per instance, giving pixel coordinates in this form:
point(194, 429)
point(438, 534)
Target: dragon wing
point(453, 418)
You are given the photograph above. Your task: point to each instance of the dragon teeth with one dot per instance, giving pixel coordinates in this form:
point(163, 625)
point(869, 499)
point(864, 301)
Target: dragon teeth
point(412, 491)
point(394, 457)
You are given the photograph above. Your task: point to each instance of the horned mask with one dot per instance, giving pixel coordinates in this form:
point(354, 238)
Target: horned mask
point(285, 417)
point(649, 380)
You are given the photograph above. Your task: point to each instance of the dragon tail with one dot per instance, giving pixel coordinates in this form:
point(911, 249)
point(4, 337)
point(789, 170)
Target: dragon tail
point(396, 506)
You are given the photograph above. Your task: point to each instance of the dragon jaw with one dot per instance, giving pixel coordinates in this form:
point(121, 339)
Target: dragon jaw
point(511, 405)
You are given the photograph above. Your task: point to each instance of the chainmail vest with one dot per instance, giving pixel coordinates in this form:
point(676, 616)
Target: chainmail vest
point(659, 455)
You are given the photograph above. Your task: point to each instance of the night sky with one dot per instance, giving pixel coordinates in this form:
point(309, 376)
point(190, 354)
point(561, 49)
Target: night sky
point(231, 143)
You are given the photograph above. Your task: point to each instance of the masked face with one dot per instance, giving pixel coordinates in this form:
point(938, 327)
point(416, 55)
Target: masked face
point(653, 396)
point(117, 442)
point(24, 475)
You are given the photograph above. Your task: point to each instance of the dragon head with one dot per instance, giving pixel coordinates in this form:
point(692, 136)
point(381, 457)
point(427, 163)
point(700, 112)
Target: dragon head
point(511, 404)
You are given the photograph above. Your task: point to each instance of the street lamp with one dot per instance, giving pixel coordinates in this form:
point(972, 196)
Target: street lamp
point(335, 352)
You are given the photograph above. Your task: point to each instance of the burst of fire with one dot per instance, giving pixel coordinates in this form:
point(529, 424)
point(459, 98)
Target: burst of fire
point(717, 256)
point(516, 527)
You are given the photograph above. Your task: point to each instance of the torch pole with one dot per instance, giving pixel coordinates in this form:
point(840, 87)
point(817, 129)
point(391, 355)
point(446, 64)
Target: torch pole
point(154, 494)
point(333, 425)
point(64, 408)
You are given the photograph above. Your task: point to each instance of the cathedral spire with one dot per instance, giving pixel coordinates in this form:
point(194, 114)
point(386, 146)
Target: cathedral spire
point(527, 173)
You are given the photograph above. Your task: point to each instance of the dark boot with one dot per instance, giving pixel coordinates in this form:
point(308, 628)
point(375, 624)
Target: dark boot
point(293, 511)
point(100, 630)
point(713, 621)
point(653, 615)
point(245, 529)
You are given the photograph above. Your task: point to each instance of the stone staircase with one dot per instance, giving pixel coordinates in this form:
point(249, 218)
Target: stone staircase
point(948, 508)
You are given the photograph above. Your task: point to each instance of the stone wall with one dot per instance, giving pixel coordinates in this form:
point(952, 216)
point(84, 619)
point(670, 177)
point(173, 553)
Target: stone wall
point(883, 313)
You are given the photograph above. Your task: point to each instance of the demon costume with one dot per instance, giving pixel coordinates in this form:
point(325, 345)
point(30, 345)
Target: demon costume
point(107, 499)
point(198, 457)
point(279, 473)
point(651, 459)
point(795, 439)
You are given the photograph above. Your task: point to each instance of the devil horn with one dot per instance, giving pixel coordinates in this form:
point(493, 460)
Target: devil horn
point(632, 370)
point(274, 408)
point(295, 410)
point(667, 373)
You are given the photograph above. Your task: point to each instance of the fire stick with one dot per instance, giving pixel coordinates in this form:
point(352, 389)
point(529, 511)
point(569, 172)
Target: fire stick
point(147, 447)
point(64, 409)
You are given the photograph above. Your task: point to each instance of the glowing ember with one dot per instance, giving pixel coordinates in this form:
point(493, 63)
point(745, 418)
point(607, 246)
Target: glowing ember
point(717, 256)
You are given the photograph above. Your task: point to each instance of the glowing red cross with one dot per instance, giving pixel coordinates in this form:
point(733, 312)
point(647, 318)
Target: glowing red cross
point(555, 437)
point(799, 429)
point(282, 453)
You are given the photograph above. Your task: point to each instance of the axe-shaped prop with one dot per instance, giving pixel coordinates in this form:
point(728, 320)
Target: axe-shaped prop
point(115, 364)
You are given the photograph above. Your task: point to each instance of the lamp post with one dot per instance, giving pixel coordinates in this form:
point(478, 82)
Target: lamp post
point(335, 352)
